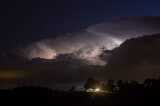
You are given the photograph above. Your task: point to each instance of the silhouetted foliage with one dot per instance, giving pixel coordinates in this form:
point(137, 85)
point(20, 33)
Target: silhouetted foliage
point(126, 94)
point(72, 89)
point(91, 83)
point(110, 85)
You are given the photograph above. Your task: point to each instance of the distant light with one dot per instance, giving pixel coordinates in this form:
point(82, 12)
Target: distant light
point(94, 90)
point(90, 90)
point(97, 90)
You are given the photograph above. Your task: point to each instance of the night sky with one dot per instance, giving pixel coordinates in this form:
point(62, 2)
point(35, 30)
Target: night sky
point(24, 21)
point(63, 29)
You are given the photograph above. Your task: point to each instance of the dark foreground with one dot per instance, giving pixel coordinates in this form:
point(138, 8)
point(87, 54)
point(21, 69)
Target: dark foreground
point(128, 95)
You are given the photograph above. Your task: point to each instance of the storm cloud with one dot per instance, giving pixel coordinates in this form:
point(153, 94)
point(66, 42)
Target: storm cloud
point(89, 43)
point(71, 59)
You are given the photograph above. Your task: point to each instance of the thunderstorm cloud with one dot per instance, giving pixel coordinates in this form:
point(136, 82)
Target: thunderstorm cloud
point(89, 43)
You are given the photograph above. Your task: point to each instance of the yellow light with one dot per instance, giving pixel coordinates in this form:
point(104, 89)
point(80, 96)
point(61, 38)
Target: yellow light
point(97, 90)
point(90, 90)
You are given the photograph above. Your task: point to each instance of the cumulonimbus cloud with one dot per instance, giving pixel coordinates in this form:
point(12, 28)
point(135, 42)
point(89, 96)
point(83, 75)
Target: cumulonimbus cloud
point(88, 44)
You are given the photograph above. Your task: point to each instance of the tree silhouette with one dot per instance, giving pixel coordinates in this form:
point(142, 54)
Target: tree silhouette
point(91, 83)
point(110, 85)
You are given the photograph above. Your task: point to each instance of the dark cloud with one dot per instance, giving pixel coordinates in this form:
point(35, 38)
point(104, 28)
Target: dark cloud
point(88, 44)
point(136, 59)
point(52, 73)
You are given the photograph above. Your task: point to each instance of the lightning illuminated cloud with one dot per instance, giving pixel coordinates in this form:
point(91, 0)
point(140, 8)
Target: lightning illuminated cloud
point(87, 44)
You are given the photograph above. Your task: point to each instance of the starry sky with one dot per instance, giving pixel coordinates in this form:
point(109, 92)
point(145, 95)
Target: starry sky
point(24, 22)
point(63, 42)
